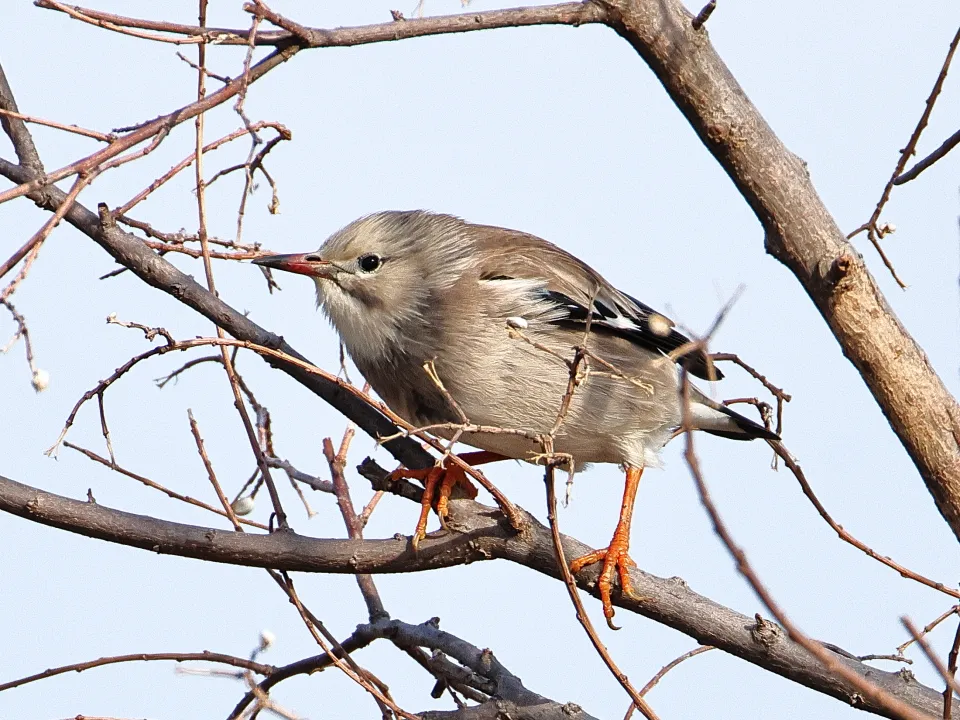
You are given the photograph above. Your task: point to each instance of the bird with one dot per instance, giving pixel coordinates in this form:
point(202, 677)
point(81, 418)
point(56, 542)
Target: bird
point(454, 323)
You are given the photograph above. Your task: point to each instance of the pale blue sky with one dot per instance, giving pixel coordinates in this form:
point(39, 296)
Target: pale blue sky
point(557, 131)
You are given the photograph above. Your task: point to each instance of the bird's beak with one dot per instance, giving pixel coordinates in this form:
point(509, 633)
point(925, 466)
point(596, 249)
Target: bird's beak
point(301, 263)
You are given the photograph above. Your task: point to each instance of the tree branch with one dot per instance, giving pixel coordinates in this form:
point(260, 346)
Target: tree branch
point(16, 129)
point(574, 13)
point(801, 234)
point(476, 533)
point(131, 252)
point(509, 689)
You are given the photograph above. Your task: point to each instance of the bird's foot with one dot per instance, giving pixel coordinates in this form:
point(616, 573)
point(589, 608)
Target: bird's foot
point(615, 559)
point(438, 483)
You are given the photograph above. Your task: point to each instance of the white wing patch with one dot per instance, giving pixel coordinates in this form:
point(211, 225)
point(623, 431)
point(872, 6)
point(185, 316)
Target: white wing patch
point(622, 323)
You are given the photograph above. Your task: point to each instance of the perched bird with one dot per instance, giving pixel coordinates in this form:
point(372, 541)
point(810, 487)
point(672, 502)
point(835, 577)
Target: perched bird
point(448, 320)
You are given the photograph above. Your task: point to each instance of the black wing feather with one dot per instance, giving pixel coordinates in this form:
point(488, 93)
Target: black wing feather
point(632, 324)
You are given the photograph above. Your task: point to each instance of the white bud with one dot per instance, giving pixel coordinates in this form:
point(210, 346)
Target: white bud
point(517, 322)
point(886, 228)
point(659, 325)
point(243, 505)
point(267, 639)
point(41, 380)
point(112, 317)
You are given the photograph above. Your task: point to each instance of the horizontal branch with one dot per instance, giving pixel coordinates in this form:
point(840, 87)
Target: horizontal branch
point(476, 533)
point(205, 656)
point(574, 13)
point(800, 231)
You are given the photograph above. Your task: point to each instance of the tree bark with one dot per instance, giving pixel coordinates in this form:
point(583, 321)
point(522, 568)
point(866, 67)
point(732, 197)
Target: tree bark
point(802, 234)
point(477, 533)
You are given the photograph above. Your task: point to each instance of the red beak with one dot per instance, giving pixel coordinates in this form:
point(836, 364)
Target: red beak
point(301, 263)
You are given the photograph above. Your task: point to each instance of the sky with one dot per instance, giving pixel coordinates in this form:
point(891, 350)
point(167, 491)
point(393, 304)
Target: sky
point(557, 131)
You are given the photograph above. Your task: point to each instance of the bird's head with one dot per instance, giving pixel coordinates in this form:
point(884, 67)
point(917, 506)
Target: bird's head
point(377, 277)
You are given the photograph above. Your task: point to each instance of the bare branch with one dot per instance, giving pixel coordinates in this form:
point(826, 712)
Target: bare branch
point(482, 662)
point(337, 463)
point(575, 13)
point(481, 534)
point(949, 144)
point(582, 616)
point(788, 459)
point(16, 129)
point(801, 234)
point(952, 686)
point(891, 705)
point(205, 656)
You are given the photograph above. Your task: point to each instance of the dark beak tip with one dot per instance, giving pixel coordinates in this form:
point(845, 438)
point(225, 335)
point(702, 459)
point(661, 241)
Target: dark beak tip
point(299, 263)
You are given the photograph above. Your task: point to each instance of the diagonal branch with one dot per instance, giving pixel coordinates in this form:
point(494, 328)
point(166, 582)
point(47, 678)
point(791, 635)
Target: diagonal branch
point(17, 130)
point(801, 233)
point(131, 252)
point(155, 129)
point(477, 533)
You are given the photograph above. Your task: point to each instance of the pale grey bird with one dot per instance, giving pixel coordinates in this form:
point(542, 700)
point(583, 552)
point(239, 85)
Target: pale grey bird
point(497, 314)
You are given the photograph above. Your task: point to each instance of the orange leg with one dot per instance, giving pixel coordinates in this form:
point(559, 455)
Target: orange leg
point(438, 485)
point(614, 556)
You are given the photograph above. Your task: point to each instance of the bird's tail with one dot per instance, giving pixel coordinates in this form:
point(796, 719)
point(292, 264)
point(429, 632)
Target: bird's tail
point(717, 419)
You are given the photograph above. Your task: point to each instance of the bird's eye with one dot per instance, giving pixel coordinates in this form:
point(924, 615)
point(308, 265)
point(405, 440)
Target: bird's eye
point(369, 263)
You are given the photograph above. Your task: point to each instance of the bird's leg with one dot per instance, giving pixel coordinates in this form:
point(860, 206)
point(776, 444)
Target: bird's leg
point(615, 556)
point(439, 482)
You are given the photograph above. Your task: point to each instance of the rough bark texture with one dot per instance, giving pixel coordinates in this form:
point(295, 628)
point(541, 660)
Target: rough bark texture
point(477, 533)
point(801, 233)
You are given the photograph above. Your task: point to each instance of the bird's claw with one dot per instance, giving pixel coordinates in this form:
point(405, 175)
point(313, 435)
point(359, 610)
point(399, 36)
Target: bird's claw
point(615, 559)
point(438, 484)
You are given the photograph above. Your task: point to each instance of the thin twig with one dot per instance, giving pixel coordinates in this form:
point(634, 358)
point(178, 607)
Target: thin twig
point(22, 331)
point(282, 134)
point(103, 137)
point(208, 272)
point(929, 627)
point(780, 449)
point(31, 248)
point(205, 656)
point(663, 671)
point(671, 665)
point(341, 658)
point(952, 686)
point(892, 705)
point(899, 176)
point(157, 486)
point(574, 593)
point(952, 672)
point(227, 507)
point(781, 396)
point(913, 173)
point(875, 232)
point(337, 462)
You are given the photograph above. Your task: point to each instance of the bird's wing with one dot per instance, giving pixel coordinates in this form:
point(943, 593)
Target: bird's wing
point(577, 292)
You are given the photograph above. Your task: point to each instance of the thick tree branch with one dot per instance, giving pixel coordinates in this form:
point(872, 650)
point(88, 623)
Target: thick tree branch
point(476, 533)
point(801, 233)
